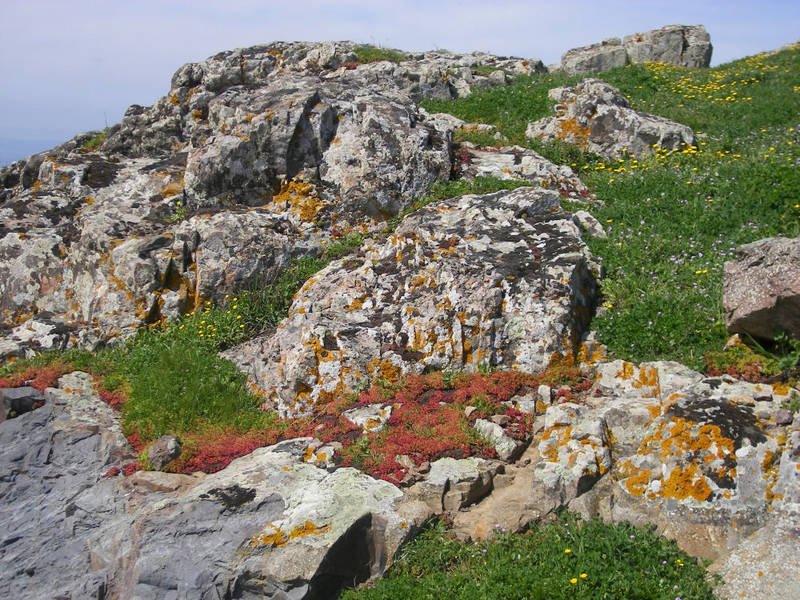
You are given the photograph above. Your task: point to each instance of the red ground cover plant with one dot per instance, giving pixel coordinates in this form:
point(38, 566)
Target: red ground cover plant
point(40, 378)
point(428, 422)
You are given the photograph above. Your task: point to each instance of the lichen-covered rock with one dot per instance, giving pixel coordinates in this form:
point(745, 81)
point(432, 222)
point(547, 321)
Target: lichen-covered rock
point(498, 280)
point(515, 162)
point(681, 45)
point(761, 288)
point(597, 118)
point(575, 450)
point(702, 459)
point(594, 58)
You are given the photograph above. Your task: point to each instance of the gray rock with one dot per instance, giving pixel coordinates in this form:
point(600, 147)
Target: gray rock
point(595, 58)
point(501, 279)
point(515, 162)
point(596, 117)
point(507, 448)
point(761, 288)
point(764, 565)
point(452, 484)
point(164, 450)
point(589, 224)
point(17, 401)
point(270, 525)
point(681, 45)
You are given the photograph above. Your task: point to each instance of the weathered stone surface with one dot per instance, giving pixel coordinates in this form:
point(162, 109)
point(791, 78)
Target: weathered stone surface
point(270, 525)
point(681, 45)
point(371, 417)
point(765, 565)
point(595, 58)
point(452, 484)
point(501, 279)
point(761, 288)
point(515, 162)
point(17, 401)
point(51, 462)
point(575, 451)
point(164, 450)
point(596, 117)
point(506, 447)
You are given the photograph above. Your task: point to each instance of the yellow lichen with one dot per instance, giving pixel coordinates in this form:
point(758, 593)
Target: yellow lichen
point(299, 198)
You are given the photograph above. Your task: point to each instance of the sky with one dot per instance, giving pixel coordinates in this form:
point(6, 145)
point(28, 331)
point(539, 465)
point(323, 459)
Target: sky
point(69, 66)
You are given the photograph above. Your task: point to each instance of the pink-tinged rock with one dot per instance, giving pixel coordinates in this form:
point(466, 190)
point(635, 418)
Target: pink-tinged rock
point(761, 288)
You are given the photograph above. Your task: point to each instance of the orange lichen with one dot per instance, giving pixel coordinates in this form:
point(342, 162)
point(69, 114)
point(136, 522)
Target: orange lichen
point(299, 198)
point(626, 372)
point(636, 483)
point(683, 483)
point(572, 131)
point(647, 378)
point(385, 369)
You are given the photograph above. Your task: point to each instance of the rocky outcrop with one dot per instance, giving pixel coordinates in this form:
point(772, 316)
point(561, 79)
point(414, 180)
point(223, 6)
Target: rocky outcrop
point(497, 280)
point(761, 289)
point(270, 525)
point(710, 462)
point(681, 45)
point(597, 118)
point(254, 157)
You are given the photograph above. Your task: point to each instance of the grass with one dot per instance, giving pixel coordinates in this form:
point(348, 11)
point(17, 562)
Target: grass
point(367, 53)
point(563, 559)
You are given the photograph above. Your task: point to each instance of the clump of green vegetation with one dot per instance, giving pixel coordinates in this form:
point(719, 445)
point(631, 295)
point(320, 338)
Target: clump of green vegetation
point(565, 558)
point(367, 53)
point(96, 140)
point(343, 246)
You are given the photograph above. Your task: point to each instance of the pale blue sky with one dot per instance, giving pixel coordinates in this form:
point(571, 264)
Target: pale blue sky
point(68, 66)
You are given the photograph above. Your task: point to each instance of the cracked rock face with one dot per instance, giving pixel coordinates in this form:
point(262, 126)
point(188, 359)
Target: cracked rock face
point(502, 279)
point(761, 289)
point(596, 117)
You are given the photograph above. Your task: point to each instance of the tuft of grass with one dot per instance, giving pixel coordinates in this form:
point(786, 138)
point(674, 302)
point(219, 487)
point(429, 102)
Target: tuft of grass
point(368, 53)
point(343, 246)
point(96, 140)
point(563, 559)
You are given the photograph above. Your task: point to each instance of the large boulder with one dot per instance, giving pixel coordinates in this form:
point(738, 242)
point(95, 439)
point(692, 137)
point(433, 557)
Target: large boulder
point(270, 525)
point(500, 280)
point(681, 45)
point(595, 58)
point(597, 118)
point(761, 288)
